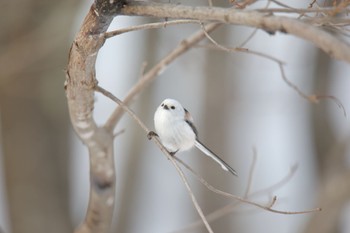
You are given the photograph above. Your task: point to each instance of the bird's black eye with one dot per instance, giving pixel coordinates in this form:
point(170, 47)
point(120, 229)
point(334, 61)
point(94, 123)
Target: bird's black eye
point(162, 105)
point(172, 107)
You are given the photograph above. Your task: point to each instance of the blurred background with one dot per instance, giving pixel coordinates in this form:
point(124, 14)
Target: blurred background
point(238, 101)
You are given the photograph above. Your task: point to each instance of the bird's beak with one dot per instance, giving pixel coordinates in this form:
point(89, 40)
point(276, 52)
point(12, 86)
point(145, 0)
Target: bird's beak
point(166, 107)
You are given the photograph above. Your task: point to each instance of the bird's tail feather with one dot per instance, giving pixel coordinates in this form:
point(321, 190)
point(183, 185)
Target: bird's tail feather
point(216, 158)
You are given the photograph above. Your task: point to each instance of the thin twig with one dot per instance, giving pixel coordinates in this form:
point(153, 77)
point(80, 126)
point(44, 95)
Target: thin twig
point(251, 173)
point(225, 210)
point(310, 98)
point(238, 49)
point(120, 132)
point(333, 98)
point(292, 85)
point(312, 3)
point(237, 198)
point(325, 10)
point(248, 38)
point(254, 31)
point(279, 184)
point(149, 26)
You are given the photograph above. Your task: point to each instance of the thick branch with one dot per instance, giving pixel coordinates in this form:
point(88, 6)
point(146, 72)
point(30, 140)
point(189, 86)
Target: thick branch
point(80, 84)
point(332, 45)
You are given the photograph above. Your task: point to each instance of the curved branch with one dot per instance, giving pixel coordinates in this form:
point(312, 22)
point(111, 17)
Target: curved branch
point(332, 45)
point(79, 85)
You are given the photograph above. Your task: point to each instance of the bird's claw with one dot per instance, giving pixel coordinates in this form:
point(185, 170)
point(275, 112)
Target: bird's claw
point(151, 134)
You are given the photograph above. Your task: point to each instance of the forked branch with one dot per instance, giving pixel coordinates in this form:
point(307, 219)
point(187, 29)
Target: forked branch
point(79, 85)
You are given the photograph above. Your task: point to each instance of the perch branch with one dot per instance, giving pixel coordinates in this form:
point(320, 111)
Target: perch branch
point(162, 148)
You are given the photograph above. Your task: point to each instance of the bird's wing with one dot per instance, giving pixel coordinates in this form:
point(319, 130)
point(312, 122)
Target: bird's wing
point(189, 121)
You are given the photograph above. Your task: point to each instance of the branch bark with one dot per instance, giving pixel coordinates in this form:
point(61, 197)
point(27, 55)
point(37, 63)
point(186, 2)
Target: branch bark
point(80, 84)
point(330, 44)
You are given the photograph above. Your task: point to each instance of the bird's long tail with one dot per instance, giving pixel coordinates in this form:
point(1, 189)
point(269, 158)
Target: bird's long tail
point(216, 158)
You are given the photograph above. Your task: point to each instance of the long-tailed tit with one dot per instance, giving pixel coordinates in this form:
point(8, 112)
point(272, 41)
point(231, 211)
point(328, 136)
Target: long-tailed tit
point(175, 128)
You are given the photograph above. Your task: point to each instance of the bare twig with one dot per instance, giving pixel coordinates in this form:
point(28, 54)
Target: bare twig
point(279, 62)
point(238, 49)
point(292, 85)
point(248, 38)
point(283, 5)
point(311, 98)
point(316, 98)
point(120, 132)
point(225, 210)
point(325, 10)
point(265, 207)
point(149, 26)
point(254, 31)
point(279, 184)
point(312, 3)
point(251, 173)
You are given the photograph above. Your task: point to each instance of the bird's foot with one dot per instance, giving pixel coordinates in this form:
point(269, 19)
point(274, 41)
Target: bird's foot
point(151, 134)
point(173, 153)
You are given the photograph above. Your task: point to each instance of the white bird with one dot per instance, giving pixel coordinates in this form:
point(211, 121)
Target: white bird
point(175, 128)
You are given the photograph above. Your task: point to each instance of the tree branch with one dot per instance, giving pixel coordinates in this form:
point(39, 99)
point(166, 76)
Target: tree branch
point(332, 45)
point(79, 85)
